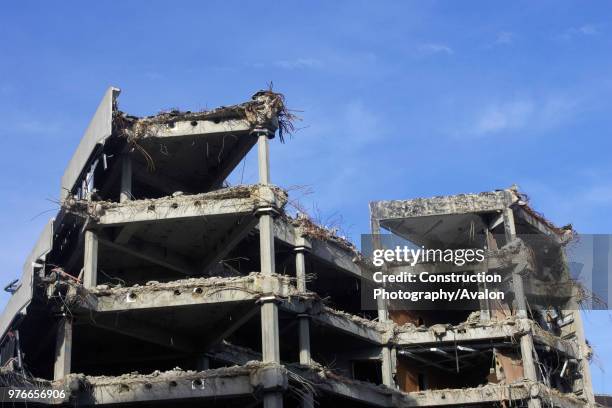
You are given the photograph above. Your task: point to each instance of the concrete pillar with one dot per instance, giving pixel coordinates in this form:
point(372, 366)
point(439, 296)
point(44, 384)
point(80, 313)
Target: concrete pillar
point(300, 270)
point(126, 178)
point(585, 369)
point(301, 248)
point(269, 330)
point(90, 260)
point(270, 349)
point(485, 305)
point(263, 157)
point(526, 342)
point(63, 349)
point(305, 356)
point(387, 367)
point(304, 326)
point(303, 319)
point(266, 242)
point(575, 310)
point(383, 315)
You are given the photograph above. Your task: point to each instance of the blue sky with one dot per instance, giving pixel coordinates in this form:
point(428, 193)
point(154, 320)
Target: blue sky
point(398, 100)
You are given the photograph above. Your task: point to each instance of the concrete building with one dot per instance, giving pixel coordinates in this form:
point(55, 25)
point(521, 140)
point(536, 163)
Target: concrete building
point(158, 282)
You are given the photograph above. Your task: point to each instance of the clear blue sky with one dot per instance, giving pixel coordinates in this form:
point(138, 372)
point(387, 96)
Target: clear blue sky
point(399, 100)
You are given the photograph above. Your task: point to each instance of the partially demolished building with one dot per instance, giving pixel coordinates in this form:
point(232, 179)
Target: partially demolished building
point(158, 282)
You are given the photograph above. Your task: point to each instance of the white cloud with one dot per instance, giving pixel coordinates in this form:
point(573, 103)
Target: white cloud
point(299, 63)
point(504, 38)
point(522, 114)
point(500, 117)
point(584, 30)
point(435, 48)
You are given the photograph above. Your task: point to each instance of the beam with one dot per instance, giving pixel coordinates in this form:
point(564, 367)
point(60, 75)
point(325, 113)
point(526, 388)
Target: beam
point(245, 143)
point(125, 233)
point(484, 332)
point(220, 383)
point(190, 128)
point(195, 291)
point(145, 331)
point(447, 205)
point(184, 207)
point(538, 225)
point(240, 230)
point(354, 326)
point(324, 251)
point(153, 253)
point(238, 318)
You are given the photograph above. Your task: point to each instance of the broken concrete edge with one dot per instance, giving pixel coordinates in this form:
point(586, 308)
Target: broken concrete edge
point(262, 195)
point(442, 205)
point(186, 292)
point(381, 395)
point(308, 228)
point(326, 380)
point(247, 379)
point(488, 201)
point(107, 298)
point(266, 110)
point(376, 325)
point(256, 376)
point(276, 377)
point(104, 298)
point(474, 329)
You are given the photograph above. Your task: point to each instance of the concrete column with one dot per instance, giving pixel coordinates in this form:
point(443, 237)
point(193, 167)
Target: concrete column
point(387, 367)
point(126, 178)
point(485, 305)
point(303, 319)
point(300, 269)
point(263, 157)
point(304, 325)
point(527, 347)
point(301, 248)
point(63, 349)
point(509, 227)
point(575, 310)
point(383, 315)
point(269, 330)
point(90, 260)
point(270, 349)
point(305, 356)
point(266, 242)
